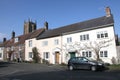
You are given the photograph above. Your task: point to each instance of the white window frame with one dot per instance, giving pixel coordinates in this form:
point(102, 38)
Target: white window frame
point(16, 39)
point(0, 55)
point(104, 53)
point(84, 37)
point(102, 35)
point(69, 39)
point(30, 55)
point(30, 43)
point(46, 55)
point(45, 43)
point(87, 53)
point(56, 41)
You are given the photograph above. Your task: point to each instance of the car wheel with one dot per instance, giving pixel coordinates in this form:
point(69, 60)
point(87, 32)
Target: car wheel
point(93, 68)
point(70, 67)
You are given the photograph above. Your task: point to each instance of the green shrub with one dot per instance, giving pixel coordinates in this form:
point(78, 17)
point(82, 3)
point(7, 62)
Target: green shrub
point(45, 61)
point(63, 64)
point(114, 67)
point(36, 57)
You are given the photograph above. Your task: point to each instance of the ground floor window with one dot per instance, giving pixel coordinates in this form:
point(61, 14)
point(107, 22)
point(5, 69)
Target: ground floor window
point(46, 55)
point(30, 55)
point(103, 53)
point(0, 55)
point(87, 54)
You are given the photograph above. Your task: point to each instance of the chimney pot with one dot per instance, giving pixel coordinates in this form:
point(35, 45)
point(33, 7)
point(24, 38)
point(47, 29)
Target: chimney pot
point(46, 25)
point(108, 12)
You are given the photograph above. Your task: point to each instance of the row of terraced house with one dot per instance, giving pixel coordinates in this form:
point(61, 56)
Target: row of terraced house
point(93, 38)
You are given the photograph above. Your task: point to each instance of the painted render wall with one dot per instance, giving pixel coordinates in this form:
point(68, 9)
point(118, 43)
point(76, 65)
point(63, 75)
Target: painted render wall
point(64, 56)
point(51, 48)
point(93, 38)
point(29, 49)
point(1, 52)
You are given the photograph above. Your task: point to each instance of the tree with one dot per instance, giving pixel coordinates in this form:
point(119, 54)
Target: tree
point(36, 56)
point(76, 47)
point(97, 46)
point(10, 54)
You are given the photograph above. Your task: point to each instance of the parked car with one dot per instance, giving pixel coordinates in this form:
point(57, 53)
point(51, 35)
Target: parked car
point(85, 63)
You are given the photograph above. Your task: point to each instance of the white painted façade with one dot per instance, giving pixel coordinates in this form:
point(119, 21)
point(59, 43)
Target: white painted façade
point(91, 38)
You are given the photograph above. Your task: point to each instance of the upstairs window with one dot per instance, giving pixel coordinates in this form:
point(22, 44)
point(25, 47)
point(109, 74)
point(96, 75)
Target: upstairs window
point(30, 43)
point(84, 37)
point(56, 41)
point(69, 39)
point(44, 43)
point(102, 35)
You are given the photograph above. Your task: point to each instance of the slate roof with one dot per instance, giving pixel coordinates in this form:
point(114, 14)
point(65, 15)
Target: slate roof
point(22, 38)
point(80, 26)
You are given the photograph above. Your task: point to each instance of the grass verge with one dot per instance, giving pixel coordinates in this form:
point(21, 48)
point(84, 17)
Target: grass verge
point(114, 67)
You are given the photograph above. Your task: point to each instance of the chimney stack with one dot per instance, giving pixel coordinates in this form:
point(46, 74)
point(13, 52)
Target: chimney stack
point(4, 40)
point(46, 25)
point(108, 12)
point(13, 34)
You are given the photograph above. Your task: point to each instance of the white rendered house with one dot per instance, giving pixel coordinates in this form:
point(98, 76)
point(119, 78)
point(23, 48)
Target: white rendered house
point(80, 39)
point(1, 53)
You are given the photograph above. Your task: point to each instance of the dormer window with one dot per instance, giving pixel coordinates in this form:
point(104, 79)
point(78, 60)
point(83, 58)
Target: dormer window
point(16, 40)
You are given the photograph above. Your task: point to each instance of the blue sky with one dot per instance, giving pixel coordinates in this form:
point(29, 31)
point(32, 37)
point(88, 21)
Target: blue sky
point(57, 13)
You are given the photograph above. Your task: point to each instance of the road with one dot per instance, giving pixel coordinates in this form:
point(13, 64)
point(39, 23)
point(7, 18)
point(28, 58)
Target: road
point(26, 71)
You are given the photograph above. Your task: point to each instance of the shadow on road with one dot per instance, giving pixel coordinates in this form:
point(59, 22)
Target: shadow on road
point(5, 64)
point(64, 75)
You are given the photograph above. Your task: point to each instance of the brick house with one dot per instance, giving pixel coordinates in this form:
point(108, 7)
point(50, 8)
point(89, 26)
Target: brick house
point(14, 48)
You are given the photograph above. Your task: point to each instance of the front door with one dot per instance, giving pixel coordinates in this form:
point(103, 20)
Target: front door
point(57, 54)
point(72, 54)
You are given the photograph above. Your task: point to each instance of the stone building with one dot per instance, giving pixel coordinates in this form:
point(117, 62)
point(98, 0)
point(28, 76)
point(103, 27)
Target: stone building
point(29, 27)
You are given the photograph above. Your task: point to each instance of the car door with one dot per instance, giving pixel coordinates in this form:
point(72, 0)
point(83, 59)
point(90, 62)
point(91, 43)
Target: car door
point(83, 63)
point(86, 64)
point(79, 63)
point(74, 62)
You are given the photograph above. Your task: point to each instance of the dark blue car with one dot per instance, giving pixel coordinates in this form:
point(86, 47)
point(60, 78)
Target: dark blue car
point(85, 63)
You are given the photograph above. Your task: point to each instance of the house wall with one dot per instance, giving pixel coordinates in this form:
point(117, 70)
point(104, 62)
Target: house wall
point(28, 48)
point(1, 53)
point(64, 55)
point(51, 48)
point(92, 38)
point(19, 51)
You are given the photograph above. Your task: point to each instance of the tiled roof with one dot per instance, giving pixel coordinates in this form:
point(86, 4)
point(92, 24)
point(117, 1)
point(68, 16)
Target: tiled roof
point(1, 44)
point(22, 38)
point(80, 26)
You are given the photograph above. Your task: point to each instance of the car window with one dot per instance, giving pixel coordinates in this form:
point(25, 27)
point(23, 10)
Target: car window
point(84, 60)
point(79, 59)
point(73, 59)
